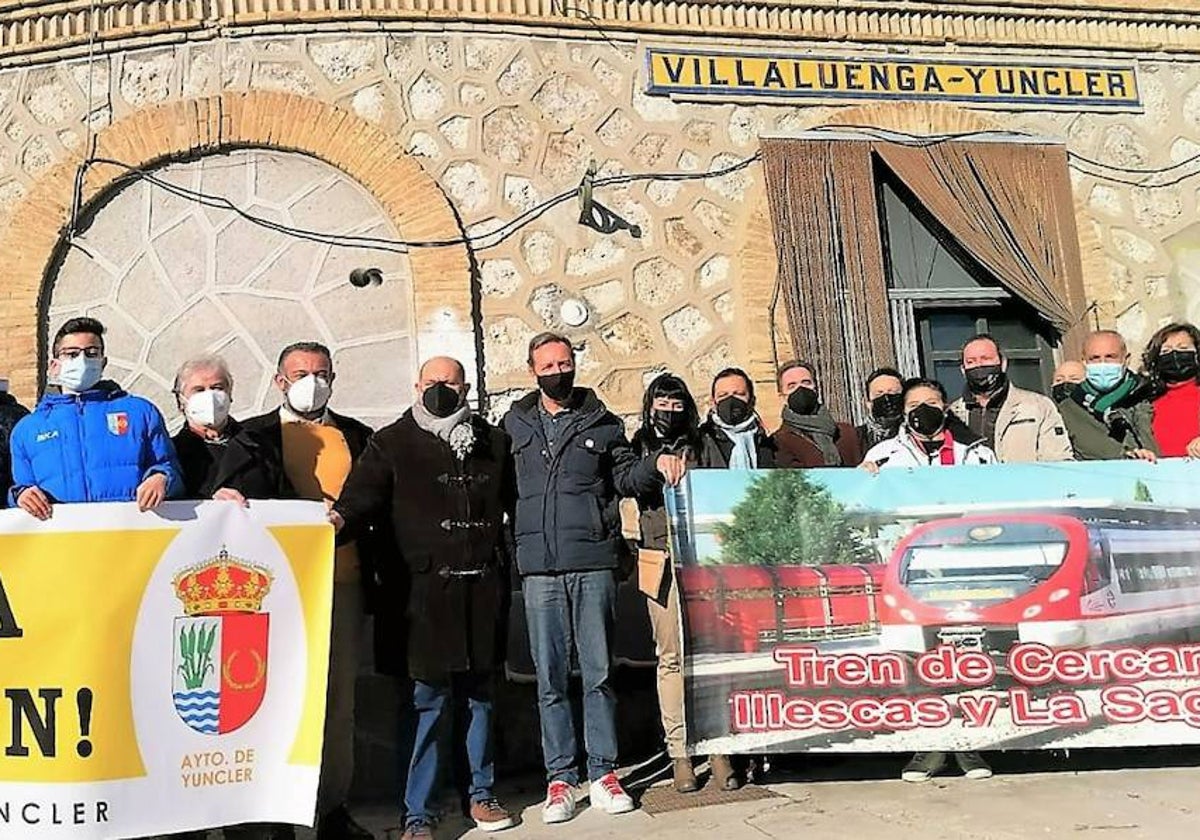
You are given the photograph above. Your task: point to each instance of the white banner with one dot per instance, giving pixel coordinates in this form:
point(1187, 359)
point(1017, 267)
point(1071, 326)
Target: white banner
point(162, 671)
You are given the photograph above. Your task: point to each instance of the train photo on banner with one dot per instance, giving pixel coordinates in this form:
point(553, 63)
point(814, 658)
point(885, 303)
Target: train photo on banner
point(1062, 577)
point(995, 607)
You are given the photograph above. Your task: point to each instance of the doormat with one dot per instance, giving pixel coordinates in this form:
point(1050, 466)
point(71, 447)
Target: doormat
point(664, 798)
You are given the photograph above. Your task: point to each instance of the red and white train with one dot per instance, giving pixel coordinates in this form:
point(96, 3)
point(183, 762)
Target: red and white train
point(1064, 578)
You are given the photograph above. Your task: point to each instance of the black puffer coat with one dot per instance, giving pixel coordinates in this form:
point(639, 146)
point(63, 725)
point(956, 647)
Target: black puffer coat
point(567, 519)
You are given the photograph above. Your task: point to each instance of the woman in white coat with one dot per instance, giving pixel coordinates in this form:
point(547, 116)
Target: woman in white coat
point(928, 437)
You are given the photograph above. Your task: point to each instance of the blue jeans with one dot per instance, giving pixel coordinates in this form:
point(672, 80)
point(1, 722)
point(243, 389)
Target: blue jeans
point(574, 610)
point(429, 704)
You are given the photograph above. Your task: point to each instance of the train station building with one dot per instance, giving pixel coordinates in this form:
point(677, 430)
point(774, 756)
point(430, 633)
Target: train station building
point(895, 177)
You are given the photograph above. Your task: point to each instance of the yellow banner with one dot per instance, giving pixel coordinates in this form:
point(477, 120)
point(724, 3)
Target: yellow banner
point(161, 671)
point(733, 75)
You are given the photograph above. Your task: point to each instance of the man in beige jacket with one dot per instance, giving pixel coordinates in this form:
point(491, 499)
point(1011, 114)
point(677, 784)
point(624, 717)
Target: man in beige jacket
point(1019, 425)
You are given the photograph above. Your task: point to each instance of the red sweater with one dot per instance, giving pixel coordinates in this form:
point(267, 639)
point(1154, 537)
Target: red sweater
point(1177, 418)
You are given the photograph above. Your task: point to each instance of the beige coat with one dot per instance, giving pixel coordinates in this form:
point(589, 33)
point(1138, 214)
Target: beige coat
point(1028, 428)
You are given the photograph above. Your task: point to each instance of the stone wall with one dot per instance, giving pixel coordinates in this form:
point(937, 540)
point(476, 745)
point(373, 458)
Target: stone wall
point(502, 123)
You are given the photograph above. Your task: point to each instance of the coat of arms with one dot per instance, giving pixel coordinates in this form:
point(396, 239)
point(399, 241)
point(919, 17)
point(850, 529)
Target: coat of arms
point(220, 661)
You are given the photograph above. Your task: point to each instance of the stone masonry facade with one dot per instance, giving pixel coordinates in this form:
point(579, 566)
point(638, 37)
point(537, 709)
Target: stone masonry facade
point(450, 133)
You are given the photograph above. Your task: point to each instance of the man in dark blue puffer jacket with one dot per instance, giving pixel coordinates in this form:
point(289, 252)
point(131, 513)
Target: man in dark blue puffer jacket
point(573, 463)
point(93, 442)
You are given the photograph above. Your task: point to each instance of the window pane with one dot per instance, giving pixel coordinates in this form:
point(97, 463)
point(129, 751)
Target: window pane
point(1026, 373)
point(1013, 334)
point(950, 330)
point(950, 375)
point(916, 258)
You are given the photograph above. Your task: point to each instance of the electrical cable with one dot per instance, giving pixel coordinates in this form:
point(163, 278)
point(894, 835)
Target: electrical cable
point(1090, 167)
point(488, 239)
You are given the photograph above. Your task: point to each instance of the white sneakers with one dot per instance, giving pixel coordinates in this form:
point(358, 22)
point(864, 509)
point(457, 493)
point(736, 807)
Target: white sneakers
point(560, 803)
point(606, 794)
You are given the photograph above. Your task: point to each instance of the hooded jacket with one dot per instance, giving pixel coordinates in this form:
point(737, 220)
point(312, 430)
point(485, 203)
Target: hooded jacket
point(567, 519)
point(97, 446)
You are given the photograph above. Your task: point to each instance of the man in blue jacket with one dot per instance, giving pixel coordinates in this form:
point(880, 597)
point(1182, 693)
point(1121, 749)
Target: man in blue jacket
point(572, 463)
point(93, 442)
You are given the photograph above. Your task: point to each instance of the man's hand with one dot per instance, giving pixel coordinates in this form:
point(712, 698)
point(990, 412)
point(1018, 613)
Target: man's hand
point(152, 492)
point(869, 466)
point(228, 494)
point(673, 468)
point(34, 502)
point(1142, 455)
point(336, 520)
point(1193, 449)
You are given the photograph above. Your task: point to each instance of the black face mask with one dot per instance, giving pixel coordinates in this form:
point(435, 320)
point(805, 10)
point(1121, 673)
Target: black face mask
point(734, 411)
point(1062, 391)
point(668, 425)
point(984, 379)
point(926, 419)
point(1178, 366)
point(441, 400)
point(557, 386)
point(803, 400)
point(888, 409)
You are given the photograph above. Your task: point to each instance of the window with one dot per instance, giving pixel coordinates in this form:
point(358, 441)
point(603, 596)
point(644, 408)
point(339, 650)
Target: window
point(939, 297)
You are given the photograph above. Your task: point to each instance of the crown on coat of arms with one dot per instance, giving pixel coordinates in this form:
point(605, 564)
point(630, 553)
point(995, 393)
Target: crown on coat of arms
point(223, 583)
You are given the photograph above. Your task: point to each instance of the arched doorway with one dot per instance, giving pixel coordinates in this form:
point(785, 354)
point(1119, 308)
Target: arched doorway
point(171, 277)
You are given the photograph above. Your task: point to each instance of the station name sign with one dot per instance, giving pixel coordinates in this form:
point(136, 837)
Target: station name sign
point(689, 74)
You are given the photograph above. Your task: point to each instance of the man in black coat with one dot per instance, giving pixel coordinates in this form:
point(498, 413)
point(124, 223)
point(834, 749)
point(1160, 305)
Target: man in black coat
point(573, 463)
point(441, 476)
point(302, 450)
point(10, 412)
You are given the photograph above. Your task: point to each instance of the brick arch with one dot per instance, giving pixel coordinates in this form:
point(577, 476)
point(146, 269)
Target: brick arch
point(444, 311)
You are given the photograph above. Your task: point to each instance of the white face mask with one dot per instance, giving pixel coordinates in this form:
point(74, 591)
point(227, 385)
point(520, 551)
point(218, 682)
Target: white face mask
point(309, 395)
point(208, 408)
point(79, 374)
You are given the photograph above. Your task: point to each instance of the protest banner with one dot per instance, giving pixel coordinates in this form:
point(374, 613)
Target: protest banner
point(162, 671)
point(978, 607)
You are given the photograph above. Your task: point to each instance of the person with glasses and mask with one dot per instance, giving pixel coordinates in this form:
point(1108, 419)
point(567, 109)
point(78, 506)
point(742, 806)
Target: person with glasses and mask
point(809, 436)
point(931, 436)
point(670, 424)
point(303, 450)
point(1109, 415)
point(1020, 426)
point(573, 463)
point(733, 436)
point(1170, 362)
point(441, 477)
point(92, 442)
point(885, 407)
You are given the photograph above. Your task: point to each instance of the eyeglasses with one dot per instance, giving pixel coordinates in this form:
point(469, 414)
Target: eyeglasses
point(76, 352)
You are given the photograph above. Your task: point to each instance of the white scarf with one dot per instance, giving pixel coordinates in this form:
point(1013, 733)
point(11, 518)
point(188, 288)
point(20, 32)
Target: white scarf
point(457, 429)
point(745, 454)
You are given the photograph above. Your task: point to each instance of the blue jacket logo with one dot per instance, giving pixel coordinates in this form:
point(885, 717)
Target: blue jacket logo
point(118, 423)
point(44, 436)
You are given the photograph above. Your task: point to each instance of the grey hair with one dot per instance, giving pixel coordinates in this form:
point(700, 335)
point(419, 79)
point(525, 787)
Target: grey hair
point(205, 361)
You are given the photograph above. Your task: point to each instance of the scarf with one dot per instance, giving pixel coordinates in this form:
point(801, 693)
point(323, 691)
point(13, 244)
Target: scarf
point(744, 436)
point(456, 430)
point(820, 428)
point(877, 432)
point(1099, 402)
